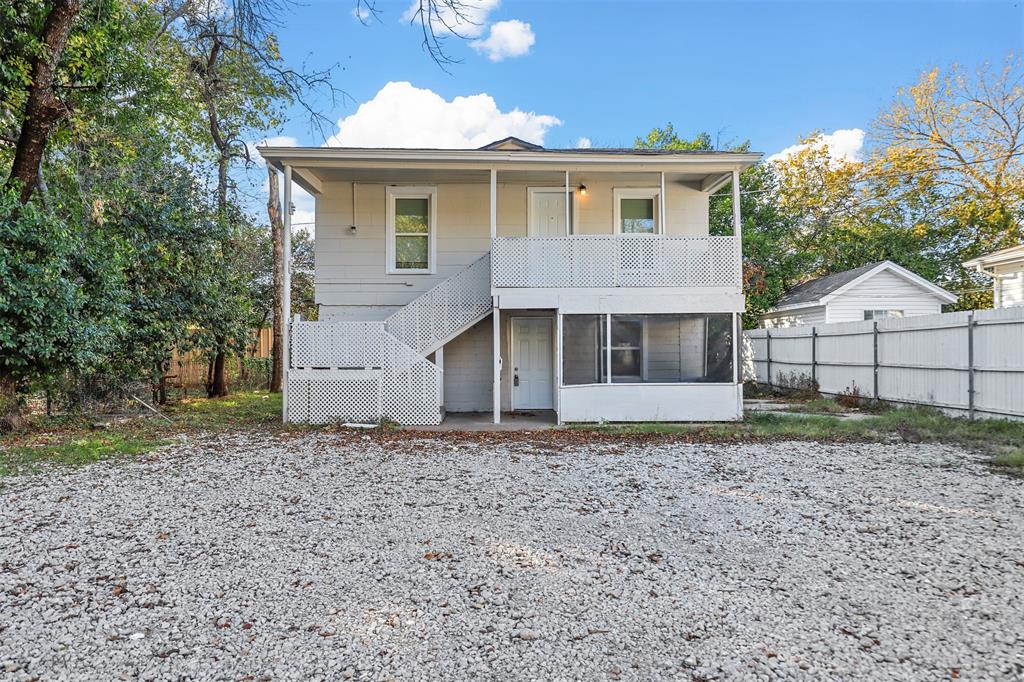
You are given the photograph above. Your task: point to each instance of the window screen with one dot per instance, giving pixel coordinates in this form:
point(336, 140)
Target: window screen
point(412, 233)
point(684, 348)
point(637, 216)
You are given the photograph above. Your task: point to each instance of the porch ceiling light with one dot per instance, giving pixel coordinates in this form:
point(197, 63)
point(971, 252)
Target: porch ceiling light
point(583, 190)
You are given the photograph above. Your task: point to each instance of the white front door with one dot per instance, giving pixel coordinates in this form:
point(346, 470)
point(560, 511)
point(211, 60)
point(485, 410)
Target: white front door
point(532, 375)
point(547, 214)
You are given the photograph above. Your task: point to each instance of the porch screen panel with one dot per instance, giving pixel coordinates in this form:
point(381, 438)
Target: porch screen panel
point(583, 359)
point(683, 348)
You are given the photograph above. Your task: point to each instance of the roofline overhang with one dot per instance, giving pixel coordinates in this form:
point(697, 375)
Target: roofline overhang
point(1010, 255)
point(326, 157)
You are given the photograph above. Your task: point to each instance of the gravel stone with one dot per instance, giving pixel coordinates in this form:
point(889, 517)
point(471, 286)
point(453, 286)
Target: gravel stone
point(313, 557)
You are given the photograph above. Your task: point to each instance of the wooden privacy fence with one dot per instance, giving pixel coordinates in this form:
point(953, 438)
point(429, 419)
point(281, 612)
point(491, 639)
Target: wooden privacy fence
point(968, 363)
point(189, 369)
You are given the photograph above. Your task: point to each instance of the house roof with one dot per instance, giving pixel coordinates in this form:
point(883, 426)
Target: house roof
point(1014, 254)
point(820, 291)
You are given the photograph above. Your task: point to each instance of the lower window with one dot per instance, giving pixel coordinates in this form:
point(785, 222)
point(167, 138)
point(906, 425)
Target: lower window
point(683, 348)
point(881, 314)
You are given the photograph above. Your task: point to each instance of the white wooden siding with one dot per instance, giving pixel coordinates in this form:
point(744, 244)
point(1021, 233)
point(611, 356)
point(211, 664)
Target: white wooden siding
point(467, 370)
point(883, 291)
point(351, 266)
point(923, 360)
point(796, 318)
point(1009, 285)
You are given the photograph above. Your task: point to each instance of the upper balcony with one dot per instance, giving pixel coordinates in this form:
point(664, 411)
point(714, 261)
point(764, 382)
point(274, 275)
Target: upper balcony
point(616, 261)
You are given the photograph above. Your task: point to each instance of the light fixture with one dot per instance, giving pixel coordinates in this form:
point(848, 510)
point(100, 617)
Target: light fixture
point(583, 190)
point(351, 229)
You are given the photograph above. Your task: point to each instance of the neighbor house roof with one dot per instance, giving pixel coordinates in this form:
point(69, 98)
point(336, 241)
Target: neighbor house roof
point(1013, 254)
point(820, 291)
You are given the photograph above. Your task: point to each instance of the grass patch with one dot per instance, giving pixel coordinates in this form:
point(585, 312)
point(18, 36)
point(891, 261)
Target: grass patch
point(248, 409)
point(73, 440)
point(76, 451)
point(1000, 440)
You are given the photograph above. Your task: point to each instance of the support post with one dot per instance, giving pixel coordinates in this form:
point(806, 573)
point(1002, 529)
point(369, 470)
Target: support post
point(814, 356)
point(768, 353)
point(286, 295)
point(970, 365)
point(558, 367)
point(568, 227)
point(661, 205)
point(494, 203)
point(496, 385)
point(737, 221)
point(874, 337)
point(737, 338)
point(439, 361)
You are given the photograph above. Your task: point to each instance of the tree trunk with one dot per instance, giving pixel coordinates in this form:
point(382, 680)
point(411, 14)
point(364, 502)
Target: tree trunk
point(11, 418)
point(42, 108)
point(277, 233)
point(218, 387)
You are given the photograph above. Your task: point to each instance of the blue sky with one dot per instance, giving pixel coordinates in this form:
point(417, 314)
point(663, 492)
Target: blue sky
point(763, 71)
point(607, 71)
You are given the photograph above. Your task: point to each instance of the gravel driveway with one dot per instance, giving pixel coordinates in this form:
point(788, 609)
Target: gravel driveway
point(259, 557)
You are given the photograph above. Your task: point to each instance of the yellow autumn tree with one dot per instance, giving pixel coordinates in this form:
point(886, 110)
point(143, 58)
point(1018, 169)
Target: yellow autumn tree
point(960, 136)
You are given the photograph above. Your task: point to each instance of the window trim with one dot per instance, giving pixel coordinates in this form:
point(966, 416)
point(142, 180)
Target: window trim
point(652, 193)
point(412, 192)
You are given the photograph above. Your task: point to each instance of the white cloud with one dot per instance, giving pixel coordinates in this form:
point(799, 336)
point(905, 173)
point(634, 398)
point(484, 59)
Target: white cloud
point(469, 22)
point(511, 38)
point(584, 143)
point(842, 145)
point(361, 14)
point(401, 115)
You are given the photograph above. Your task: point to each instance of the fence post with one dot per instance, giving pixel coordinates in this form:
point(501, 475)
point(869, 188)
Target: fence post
point(970, 365)
point(768, 352)
point(874, 336)
point(814, 356)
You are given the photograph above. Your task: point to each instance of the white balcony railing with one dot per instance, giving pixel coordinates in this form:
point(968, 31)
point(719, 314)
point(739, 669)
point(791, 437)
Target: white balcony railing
point(615, 261)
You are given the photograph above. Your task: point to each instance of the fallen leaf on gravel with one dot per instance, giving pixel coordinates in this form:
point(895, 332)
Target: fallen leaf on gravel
point(437, 556)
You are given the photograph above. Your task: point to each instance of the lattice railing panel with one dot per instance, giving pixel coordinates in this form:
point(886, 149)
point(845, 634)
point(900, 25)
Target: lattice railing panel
point(323, 396)
point(335, 345)
point(440, 313)
point(353, 398)
point(411, 385)
point(615, 261)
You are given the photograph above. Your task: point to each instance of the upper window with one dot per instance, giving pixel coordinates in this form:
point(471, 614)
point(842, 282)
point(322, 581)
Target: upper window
point(411, 218)
point(637, 211)
point(881, 314)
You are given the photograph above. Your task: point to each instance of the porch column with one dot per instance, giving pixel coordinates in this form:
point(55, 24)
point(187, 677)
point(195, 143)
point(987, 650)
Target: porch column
point(496, 386)
point(661, 205)
point(568, 227)
point(737, 220)
point(494, 203)
point(286, 295)
point(737, 223)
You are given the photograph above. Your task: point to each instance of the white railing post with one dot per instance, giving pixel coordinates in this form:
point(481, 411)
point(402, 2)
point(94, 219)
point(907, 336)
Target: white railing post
point(494, 203)
point(286, 295)
point(737, 221)
point(496, 385)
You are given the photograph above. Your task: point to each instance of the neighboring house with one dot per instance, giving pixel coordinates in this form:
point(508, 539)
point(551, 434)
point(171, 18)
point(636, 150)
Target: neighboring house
point(870, 292)
point(1006, 268)
point(516, 278)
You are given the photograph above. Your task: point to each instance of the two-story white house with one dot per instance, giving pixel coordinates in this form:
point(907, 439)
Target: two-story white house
point(516, 278)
